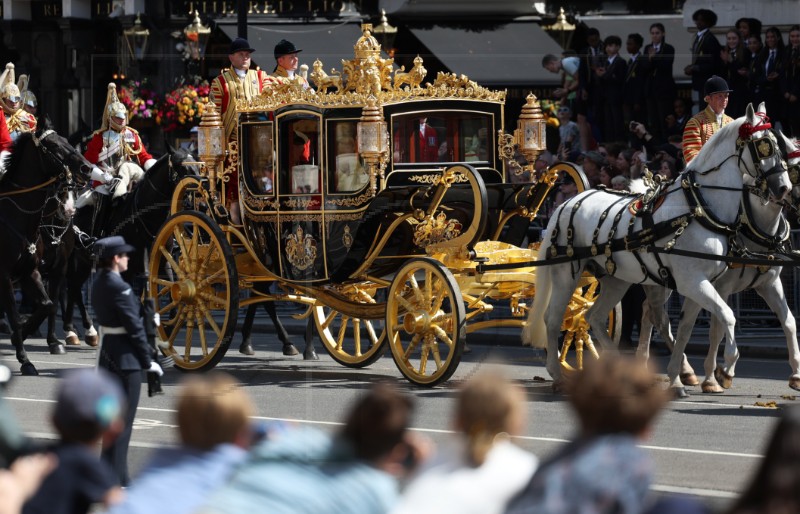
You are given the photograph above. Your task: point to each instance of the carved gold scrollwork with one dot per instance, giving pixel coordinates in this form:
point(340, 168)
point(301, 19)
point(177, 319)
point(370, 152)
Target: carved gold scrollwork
point(432, 230)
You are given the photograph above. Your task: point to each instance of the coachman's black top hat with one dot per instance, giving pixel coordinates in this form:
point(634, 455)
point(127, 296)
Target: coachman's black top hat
point(239, 44)
point(285, 48)
point(715, 84)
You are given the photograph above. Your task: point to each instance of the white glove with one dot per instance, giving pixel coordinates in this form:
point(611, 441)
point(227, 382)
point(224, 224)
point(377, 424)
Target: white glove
point(156, 319)
point(155, 368)
point(107, 177)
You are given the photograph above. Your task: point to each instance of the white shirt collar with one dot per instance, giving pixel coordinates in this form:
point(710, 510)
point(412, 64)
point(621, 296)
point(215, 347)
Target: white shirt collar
point(701, 32)
point(240, 73)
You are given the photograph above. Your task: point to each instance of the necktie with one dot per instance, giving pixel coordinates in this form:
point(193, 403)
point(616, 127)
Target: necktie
point(770, 61)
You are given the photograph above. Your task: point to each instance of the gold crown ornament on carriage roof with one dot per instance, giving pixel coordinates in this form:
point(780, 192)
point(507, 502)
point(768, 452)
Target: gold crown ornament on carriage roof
point(369, 74)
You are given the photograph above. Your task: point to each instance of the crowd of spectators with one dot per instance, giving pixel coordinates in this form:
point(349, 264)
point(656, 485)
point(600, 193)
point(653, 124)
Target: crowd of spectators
point(374, 462)
point(619, 95)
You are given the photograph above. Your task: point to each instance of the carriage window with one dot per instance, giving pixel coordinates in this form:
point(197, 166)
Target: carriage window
point(299, 165)
point(457, 136)
point(260, 157)
point(346, 171)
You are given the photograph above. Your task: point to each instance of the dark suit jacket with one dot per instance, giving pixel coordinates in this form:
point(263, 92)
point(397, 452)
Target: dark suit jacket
point(658, 71)
point(634, 82)
point(705, 59)
point(116, 305)
point(610, 84)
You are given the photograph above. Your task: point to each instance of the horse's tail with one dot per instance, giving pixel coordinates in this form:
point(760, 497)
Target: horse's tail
point(535, 333)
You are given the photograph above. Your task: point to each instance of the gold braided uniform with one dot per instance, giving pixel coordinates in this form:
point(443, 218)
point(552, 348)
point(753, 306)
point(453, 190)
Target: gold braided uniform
point(699, 130)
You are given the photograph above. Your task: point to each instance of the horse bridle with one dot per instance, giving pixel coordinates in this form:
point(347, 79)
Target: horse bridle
point(761, 148)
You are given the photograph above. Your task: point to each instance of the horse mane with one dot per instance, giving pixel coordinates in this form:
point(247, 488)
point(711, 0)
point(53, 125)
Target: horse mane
point(14, 161)
point(707, 157)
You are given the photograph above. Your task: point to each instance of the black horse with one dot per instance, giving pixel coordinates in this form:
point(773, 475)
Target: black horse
point(41, 167)
point(137, 216)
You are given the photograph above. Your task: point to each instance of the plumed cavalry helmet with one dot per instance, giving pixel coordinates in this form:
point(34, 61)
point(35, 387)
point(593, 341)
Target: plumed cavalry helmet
point(27, 96)
point(114, 109)
point(9, 91)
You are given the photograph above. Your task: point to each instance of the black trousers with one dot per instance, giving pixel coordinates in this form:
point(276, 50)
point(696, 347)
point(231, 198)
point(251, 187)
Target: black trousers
point(117, 453)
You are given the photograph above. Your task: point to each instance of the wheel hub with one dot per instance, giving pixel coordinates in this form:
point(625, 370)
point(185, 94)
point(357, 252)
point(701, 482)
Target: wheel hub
point(184, 291)
point(416, 323)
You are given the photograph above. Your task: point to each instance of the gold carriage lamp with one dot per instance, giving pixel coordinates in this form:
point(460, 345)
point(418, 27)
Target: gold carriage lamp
point(373, 140)
point(136, 39)
point(531, 130)
point(211, 144)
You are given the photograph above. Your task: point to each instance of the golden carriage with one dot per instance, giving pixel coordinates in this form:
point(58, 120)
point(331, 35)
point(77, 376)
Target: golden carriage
point(382, 205)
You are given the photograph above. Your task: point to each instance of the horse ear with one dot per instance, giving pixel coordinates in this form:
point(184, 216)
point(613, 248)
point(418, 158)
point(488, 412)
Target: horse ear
point(749, 113)
point(762, 107)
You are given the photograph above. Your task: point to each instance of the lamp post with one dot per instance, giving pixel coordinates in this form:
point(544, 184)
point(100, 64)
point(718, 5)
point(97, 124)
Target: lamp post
point(562, 26)
point(196, 38)
point(373, 140)
point(136, 39)
point(211, 145)
point(385, 33)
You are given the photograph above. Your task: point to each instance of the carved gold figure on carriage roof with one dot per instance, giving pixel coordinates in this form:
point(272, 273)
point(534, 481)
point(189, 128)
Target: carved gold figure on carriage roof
point(301, 249)
point(322, 80)
point(413, 77)
point(436, 229)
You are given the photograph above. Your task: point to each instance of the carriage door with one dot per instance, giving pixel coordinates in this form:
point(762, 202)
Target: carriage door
point(300, 188)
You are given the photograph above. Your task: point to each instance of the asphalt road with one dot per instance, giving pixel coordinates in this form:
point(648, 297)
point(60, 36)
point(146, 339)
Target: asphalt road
point(706, 446)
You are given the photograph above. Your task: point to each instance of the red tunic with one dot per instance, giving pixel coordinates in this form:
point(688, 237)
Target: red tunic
point(5, 136)
point(132, 140)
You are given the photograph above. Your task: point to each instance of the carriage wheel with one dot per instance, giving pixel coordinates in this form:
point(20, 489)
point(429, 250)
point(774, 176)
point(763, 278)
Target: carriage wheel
point(352, 342)
point(426, 322)
point(194, 283)
point(577, 341)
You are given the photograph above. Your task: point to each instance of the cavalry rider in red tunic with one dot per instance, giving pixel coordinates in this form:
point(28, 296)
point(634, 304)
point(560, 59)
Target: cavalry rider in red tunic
point(17, 120)
point(118, 152)
point(238, 83)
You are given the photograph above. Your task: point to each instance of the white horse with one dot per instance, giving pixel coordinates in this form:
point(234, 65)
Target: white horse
point(768, 228)
point(596, 228)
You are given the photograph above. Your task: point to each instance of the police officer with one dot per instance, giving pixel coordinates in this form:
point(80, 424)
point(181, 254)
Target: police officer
point(707, 122)
point(124, 350)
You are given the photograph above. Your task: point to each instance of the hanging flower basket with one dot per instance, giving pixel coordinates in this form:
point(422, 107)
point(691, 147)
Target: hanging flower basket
point(183, 107)
point(141, 101)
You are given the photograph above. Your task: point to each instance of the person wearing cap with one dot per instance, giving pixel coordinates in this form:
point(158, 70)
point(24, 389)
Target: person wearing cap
point(706, 59)
point(117, 152)
point(707, 122)
point(123, 348)
point(286, 62)
point(88, 410)
point(17, 120)
point(236, 84)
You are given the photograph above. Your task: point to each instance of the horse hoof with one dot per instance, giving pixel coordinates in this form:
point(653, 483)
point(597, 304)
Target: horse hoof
point(559, 386)
point(723, 378)
point(28, 370)
point(679, 393)
point(467, 349)
point(57, 349)
point(72, 339)
point(794, 383)
point(289, 350)
point(689, 379)
point(310, 355)
point(712, 387)
point(246, 349)
point(91, 340)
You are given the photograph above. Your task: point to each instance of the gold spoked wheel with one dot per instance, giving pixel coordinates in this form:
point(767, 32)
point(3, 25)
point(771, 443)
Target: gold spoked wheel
point(352, 342)
point(194, 283)
point(425, 320)
point(576, 338)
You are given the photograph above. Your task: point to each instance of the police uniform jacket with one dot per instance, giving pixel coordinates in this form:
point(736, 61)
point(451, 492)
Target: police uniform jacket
point(116, 305)
point(699, 130)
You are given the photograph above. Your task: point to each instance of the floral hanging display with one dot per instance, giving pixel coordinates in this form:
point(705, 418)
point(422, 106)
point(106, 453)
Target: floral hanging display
point(183, 107)
point(140, 99)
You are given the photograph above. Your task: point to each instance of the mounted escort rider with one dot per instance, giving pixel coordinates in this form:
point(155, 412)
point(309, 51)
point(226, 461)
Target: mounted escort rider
point(118, 152)
point(17, 120)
